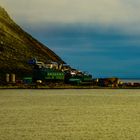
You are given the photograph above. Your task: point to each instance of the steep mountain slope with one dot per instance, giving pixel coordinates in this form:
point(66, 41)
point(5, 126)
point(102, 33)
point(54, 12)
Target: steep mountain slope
point(17, 47)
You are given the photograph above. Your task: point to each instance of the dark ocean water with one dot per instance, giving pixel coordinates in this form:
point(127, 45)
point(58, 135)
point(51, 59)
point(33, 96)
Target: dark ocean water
point(126, 80)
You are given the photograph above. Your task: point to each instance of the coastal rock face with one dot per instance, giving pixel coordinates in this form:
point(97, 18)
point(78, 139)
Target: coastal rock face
point(17, 47)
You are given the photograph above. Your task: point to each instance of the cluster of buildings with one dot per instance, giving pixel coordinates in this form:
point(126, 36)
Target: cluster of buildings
point(53, 72)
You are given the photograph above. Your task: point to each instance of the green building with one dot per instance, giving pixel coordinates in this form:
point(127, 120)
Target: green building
point(47, 74)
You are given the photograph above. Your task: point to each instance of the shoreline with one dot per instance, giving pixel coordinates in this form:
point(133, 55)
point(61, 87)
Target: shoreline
point(64, 87)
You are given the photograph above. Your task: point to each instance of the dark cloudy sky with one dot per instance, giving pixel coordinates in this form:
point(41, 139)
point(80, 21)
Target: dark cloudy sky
point(98, 36)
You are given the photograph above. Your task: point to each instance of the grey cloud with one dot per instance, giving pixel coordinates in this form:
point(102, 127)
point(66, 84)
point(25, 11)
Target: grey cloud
point(75, 11)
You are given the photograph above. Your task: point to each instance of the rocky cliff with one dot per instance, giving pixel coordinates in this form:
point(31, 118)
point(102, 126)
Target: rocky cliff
point(17, 47)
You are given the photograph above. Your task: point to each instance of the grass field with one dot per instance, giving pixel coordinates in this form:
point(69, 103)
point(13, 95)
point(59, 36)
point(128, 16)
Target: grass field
point(70, 114)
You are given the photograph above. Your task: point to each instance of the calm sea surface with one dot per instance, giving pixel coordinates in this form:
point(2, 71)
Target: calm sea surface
point(130, 80)
point(78, 92)
point(74, 114)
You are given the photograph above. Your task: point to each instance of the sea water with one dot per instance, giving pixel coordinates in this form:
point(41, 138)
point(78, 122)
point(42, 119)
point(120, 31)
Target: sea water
point(132, 80)
point(74, 114)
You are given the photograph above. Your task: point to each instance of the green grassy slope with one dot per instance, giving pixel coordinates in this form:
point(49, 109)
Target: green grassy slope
point(17, 47)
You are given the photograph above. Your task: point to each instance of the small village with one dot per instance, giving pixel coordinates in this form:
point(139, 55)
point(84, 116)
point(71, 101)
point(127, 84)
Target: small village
point(54, 75)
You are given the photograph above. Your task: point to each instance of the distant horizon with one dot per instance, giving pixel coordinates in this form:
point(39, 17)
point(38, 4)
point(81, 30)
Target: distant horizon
point(85, 34)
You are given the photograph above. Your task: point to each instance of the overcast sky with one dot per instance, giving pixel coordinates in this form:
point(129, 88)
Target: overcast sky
point(105, 12)
point(99, 36)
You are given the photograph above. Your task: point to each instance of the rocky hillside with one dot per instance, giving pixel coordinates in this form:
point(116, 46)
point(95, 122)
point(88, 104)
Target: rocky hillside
point(17, 47)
